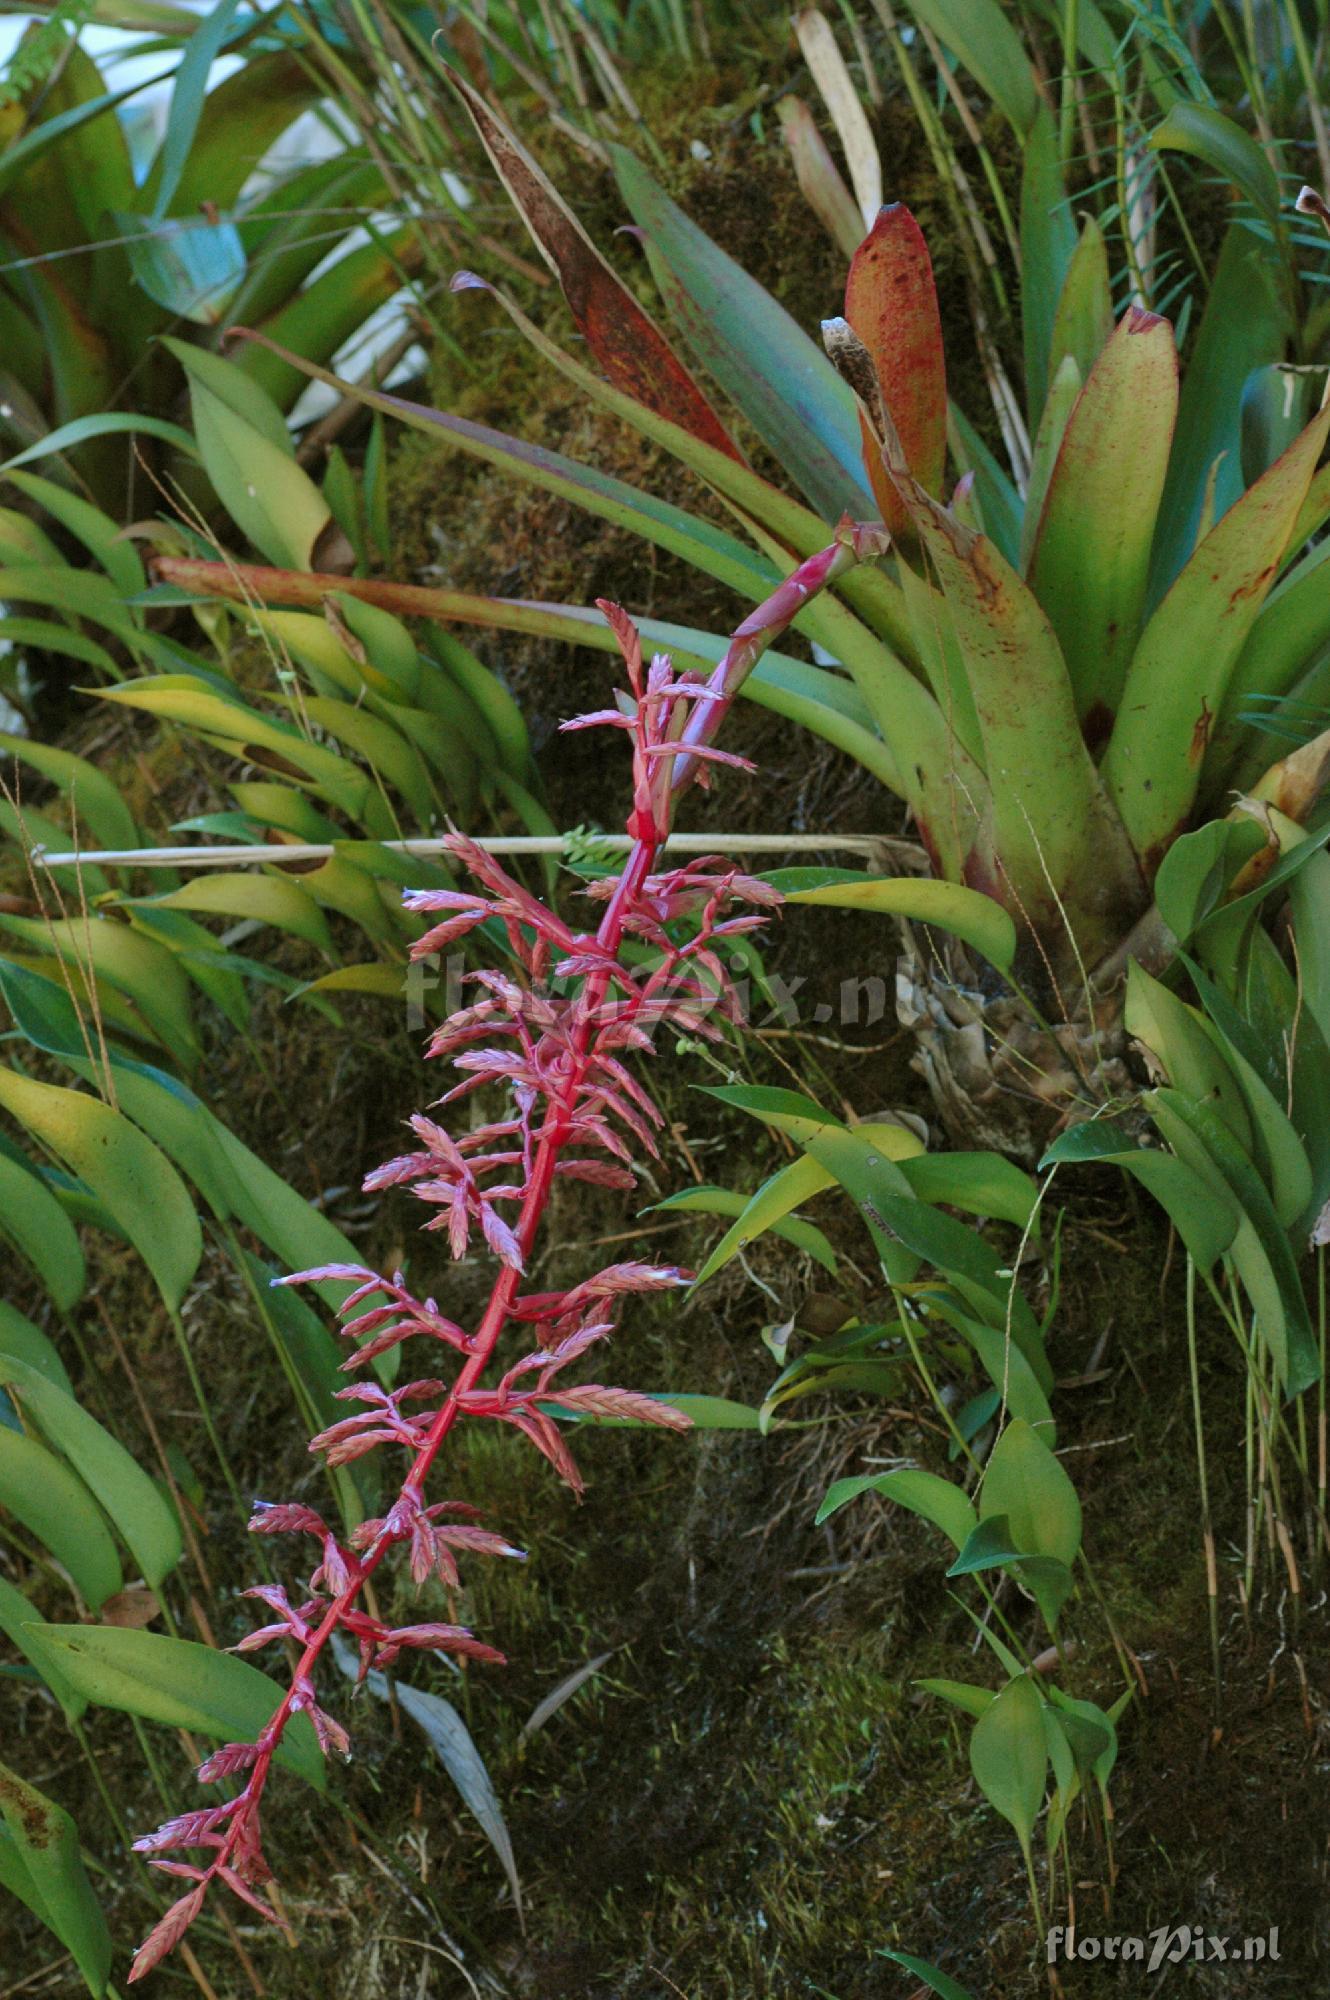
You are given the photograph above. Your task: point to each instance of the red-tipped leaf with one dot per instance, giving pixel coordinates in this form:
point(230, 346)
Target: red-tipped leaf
point(626, 341)
point(891, 303)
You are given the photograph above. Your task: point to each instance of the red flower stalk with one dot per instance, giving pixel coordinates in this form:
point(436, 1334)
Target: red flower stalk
point(574, 1109)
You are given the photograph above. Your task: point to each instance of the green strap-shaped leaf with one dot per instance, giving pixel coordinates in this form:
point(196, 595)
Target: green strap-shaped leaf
point(1000, 507)
point(1260, 1250)
point(95, 800)
point(17, 1617)
point(110, 423)
point(40, 1491)
point(19, 1337)
point(749, 344)
point(33, 1220)
point(181, 699)
point(184, 1685)
point(137, 1185)
point(786, 1190)
point(1207, 1222)
point(984, 1184)
point(41, 1864)
point(1244, 326)
point(1276, 1148)
point(1179, 672)
point(1048, 244)
point(724, 1201)
point(1064, 390)
point(99, 534)
point(143, 970)
point(1309, 895)
point(895, 1218)
point(981, 37)
point(383, 747)
point(1222, 145)
point(1287, 639)
point(266, 899)
point(44, 635)
point(963, 1695)
point(387, 982)
point(188, 98)
point(710, 548)
point(236, 123)
point(228, 384)
point(281, 806)
point(1004, 1363)
point(130, 1498)
point(272, 500)
point(1091, 559)
point(233, 1180)
point(1176, 1034)
point(341, 885)
point(977, 919)
point(1083, 323)
point(1062, 851)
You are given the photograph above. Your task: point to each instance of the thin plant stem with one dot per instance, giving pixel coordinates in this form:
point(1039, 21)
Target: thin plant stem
point(1203, 1481)
point(204, 1409)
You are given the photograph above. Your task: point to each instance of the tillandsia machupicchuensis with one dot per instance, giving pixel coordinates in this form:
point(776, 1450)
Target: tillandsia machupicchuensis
point(555, 1037)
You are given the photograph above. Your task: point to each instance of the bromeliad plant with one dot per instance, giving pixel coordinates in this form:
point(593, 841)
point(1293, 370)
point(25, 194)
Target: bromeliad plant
point(553, 1033)
point(1054, 673)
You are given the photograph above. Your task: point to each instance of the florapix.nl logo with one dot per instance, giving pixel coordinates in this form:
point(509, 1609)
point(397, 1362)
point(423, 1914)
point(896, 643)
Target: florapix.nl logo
point(1170, 1944)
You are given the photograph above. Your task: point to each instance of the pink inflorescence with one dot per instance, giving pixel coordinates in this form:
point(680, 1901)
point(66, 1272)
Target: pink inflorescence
point(553, 1032)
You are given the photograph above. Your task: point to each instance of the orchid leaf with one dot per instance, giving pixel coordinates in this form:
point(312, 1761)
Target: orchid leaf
point(181, 1684)
point(55, 1505)
point(940, 1501)
point(33, 1221)
point(725, 1201)
point(264, 899)
point(1009, 1755)
point(131, 1500)
point(40, 1863)
point(138, 1186)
